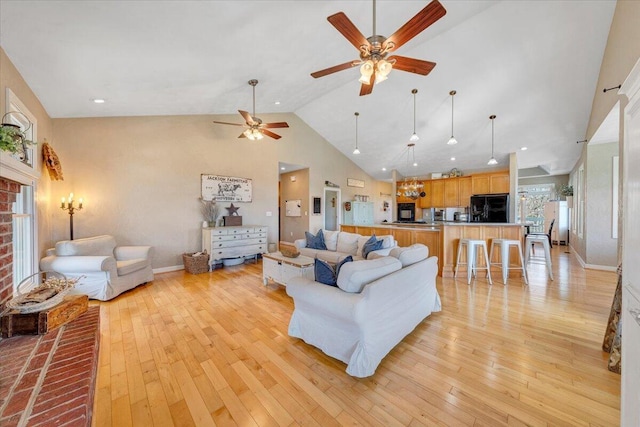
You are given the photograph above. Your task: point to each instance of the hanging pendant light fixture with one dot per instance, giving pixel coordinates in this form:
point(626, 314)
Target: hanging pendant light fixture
point(414, 137)
point(492, 161)
point(410, 187)
point(452, 140)
point(356, 151)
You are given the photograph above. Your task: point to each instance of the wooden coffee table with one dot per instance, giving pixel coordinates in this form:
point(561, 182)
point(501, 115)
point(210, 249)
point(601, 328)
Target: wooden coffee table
point(280, 269)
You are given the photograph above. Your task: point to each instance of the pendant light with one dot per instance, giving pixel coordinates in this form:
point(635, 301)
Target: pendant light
point(414, 137)
point(452, 140)
point(492, 161)
point(356, 151)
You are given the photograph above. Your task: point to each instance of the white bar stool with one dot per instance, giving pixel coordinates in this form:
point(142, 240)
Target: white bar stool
point(472, 263)
point(505, 264)
point(530, 241)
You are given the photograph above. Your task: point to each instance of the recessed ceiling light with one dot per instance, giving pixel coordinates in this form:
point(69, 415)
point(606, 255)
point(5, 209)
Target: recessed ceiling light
point(98, 100)
point(523, 148)
point(453, 158)
point(282, 168)
point(277, 102)
point(384, 169)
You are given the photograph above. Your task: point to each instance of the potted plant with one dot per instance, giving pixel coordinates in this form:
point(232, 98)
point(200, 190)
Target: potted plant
point(12, 139)
point(209, 210)
point(566, 190)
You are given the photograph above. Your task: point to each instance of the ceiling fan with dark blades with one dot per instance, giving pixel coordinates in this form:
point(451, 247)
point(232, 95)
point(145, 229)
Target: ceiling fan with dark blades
point(255, 128)
point(374, 63)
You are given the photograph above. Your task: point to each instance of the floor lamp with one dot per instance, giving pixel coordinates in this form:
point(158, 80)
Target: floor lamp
point(68, 206)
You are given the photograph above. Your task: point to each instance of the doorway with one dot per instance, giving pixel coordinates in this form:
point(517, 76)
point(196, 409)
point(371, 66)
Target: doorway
point(332, 203)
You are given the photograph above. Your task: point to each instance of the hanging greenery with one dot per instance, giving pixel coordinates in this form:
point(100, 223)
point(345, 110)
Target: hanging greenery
point(12, 139)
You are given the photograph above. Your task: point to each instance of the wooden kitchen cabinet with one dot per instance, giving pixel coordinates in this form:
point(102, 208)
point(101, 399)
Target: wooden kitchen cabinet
point(457, 191)
point(437, 193)
point(426, 201)
point(490, 183)
point(499, 182)
point(480, 184)
point(465, 190)
point(450, 192)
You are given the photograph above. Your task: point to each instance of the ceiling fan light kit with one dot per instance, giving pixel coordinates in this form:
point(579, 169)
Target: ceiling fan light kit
point(492, 161)
point(256, 130)
point(374, 63)
point(452, 140)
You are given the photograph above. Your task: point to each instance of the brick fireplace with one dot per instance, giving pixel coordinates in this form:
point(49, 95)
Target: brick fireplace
point(8, 191)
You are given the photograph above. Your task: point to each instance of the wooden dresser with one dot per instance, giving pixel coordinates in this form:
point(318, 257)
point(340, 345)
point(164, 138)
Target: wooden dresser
point(234, 242)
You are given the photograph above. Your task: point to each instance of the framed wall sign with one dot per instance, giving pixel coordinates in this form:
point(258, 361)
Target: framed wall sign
point(226, 188)
point(352, 182)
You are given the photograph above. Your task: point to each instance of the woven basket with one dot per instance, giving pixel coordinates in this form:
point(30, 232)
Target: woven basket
point(196, 264)
point(289, 250)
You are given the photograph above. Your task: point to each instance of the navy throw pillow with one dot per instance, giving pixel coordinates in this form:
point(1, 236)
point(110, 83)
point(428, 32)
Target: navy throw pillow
point(325, 273)
point(315, 242)
point(371, 245)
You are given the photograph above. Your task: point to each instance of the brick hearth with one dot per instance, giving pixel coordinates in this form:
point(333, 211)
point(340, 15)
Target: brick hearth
point(50, 379)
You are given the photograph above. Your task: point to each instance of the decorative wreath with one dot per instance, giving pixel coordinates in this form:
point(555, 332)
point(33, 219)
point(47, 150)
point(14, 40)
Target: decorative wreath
point(53, 163)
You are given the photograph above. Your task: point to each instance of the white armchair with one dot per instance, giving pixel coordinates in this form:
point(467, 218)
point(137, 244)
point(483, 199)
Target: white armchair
point(107, 270)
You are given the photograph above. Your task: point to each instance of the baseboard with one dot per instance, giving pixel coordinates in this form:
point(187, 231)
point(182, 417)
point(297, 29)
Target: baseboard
point(592, 266)
point(600, 267)
point(168, 269)
point(577, 255)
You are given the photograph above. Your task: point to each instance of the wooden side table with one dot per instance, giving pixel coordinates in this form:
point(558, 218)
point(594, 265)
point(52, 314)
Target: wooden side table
point(39, 323)
point(280, 269)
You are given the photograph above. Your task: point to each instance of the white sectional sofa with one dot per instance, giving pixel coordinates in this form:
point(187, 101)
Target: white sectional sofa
point(376, 304)
point(341, 244)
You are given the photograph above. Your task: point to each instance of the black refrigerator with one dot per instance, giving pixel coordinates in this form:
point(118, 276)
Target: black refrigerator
point(490, 208)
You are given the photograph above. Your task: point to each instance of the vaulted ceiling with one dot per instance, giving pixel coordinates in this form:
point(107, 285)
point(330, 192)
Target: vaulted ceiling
point(534, 64)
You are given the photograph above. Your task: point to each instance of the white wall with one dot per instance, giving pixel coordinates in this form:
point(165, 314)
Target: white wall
point(140, 176)
point(601, 247)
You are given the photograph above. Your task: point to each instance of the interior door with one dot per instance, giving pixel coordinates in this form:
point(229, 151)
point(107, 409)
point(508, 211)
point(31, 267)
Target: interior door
point(331, 209)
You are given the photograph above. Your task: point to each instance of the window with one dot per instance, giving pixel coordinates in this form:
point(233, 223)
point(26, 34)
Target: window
point(23, 169)
point(531, 204)
point(23, 239)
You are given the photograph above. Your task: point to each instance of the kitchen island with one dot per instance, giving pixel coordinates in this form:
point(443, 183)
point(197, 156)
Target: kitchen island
point(442, 237)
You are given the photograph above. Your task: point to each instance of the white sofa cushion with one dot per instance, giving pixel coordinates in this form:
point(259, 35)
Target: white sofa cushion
point(331, 239)
point(99, 245)
point(410, 254)
point(348, 243)
point(355, 275)
point(131, 265)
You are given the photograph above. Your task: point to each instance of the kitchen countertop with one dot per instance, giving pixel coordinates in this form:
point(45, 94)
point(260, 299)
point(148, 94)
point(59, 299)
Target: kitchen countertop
point(447, 223)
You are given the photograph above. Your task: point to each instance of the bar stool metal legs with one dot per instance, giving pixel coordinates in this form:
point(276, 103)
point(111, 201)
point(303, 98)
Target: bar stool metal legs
point(530, 241)
point(505, 265)
point(472, 263)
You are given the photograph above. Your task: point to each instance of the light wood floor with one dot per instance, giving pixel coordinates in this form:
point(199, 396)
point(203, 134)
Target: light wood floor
point(213, 349)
